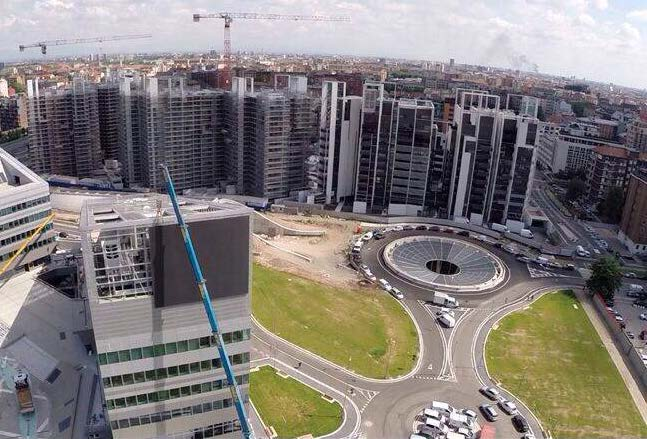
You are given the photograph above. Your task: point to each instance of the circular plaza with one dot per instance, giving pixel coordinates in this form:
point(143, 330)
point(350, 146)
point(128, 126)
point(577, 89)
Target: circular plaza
point(444, 263)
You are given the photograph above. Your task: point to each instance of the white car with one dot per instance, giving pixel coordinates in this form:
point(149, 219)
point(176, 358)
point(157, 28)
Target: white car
point(490, 392)
point(367, 236)
point(508, 407)
point(619, 318)
point(386, 285)
point(398, 228)
point(369, 275)
point(470, 413)
point(643, 316)
point(397, 293)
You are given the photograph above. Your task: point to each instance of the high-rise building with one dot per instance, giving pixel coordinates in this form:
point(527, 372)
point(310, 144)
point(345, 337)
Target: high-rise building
point(339, 127)
point(161, 374)
point(637, 133)
point(166, 121)
point(563, 151)
point(108, 108)
point(9, 114)
point(493, 160)
point(24, 205)
point(268, 137)
point(64, 129)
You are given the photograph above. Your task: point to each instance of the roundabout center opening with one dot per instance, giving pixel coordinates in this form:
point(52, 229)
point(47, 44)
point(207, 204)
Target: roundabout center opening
point(445, 264)
point(443, 267)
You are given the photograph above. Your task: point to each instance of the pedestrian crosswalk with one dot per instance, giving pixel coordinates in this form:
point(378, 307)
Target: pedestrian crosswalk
point(537, 273)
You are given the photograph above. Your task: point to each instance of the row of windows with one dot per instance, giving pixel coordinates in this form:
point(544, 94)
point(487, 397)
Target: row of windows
point(24, 205)
point(170, 348)
point(29, 248)
point(172, 371)
point(24, 220)
point(168, 414)
point(177, 392)
point(21, 236)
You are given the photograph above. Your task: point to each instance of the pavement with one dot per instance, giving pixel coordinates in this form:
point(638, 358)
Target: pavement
point(451, 367)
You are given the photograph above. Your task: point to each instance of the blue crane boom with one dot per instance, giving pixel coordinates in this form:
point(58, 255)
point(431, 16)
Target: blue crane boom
point(206, 300)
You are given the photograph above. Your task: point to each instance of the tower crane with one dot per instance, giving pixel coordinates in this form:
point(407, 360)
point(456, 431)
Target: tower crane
point(229, 18)
point(206, 301)
point(44, 44)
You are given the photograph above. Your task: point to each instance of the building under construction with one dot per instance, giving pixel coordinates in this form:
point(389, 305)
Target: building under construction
point(64, 129)
point(160, 368)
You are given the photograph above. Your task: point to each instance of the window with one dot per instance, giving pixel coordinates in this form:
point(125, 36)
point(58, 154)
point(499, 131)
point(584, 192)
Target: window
point(117, 381)
point(136, 354)
point(124, 355)
point(148, 352)
point(106, 382)
point(194, 344)
point(205, 365)
point(142, 399)
point(173, 371)
point(140, 377)
point(184, 369)
point(113, 357)
point(128, 379)
point(120, 403)
point(204, 342)
point(150, 375)
point(171, 348)
point(195, 367)
point(131, 401)
point(161, 373)
point(103, 359)
point(185, 391)
point(159, 350)
point(182, 346)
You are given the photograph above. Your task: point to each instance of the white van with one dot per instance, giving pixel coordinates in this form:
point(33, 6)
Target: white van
point(435, 423)
point(581, 252)
point(499, 227)
point(447, 321)
point(525, 233)
point(441, 407)
point(385, 284)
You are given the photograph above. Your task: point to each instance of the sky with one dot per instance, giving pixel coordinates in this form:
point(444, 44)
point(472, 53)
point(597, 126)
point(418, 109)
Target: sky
point(603, 40)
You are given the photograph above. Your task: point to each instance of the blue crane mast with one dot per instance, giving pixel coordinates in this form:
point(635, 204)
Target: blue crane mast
point(206, 300)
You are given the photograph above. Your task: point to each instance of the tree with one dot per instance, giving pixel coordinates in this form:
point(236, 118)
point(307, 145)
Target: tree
point(606, 277)
point(610, 208)
point(575, 189)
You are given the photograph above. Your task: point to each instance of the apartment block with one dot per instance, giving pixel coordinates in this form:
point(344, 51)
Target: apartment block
point(637, 133)
point(24, 205)
point(609, 167)
point(161, 374)
point(564, 151)
point(13, 113)
point(64, 129)
point(108, 108)
point(633, 225)
point(339, 127)
point(268, 137)
point(163, 120)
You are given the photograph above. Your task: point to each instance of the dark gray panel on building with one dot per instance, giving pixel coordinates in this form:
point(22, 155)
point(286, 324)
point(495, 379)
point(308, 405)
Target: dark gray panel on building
point(222, 247)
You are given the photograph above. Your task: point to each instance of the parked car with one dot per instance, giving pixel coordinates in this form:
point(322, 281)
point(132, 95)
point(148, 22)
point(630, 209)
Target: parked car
point(490, 392)
point(448, 230)
point(398, 228)
point(643, 316)
point(631, 335)
point(378, 235)
point(407, 227)
point(470, 413)
point(488, 412)
point(520, 424)
point(386, 285)
point(421, 227)
point(397, 293)
point(369, 275)
point(619, 318)
point(528, 436)
point(630, 275)
point(464, 233)
point(435, 228)
point(367, 236)
point(508, 407)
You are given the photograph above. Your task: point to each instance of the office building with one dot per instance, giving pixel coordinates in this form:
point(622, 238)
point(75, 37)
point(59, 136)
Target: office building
point(494, 160)
point(339, 127)
point(161, 375)
point(633, 225)
point(64, 129)
point(637, 133)
point(24, 205)
point(564, 151)
point(609, 167)
point(268, 137)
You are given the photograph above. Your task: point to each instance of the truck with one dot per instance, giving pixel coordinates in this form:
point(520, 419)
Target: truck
point(499, 227)
point(23, 393)
point(525, 233)
point(445, 300)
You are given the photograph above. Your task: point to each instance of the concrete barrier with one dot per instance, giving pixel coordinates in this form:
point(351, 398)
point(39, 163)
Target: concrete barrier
point(263, 225)
point(630, 355)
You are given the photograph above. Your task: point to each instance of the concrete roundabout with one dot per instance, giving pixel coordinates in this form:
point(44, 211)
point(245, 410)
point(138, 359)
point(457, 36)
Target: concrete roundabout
point(451, 366)
point(444, 263)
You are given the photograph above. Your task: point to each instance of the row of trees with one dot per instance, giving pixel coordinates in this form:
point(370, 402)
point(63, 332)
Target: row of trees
point(610, 208)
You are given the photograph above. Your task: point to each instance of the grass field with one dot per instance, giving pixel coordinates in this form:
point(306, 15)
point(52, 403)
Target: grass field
point(551, 357)
point(363, 330)
point(291, 407)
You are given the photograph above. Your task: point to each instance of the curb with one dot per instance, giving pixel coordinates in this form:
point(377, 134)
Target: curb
point(335, 365)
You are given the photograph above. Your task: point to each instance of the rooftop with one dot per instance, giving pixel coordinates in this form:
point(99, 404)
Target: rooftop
point(14, 174)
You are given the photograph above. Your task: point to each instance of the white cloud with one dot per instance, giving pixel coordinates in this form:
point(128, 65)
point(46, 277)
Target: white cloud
point(601, 4)
point(586, 19)
point(638, 14)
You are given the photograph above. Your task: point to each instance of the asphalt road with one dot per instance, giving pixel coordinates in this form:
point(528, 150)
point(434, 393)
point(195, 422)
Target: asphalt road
point(451, 367)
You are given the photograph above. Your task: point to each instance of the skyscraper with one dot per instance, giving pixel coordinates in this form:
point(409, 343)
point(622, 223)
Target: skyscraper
point(494, 159)
point(64, 129)
point(339, 127)
point(108, 108)
point(160, 370)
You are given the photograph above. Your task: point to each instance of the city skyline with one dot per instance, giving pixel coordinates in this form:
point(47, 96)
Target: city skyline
point(601, 40)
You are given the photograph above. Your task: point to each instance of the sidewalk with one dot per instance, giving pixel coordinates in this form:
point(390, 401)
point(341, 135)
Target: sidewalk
point(602, 331)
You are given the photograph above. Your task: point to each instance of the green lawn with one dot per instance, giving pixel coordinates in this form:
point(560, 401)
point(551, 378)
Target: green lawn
point(363, 330)
point(553, 359)
point(291, 407)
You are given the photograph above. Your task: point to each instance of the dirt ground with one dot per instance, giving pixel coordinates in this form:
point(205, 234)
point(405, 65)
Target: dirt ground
point(328, 253)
